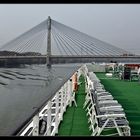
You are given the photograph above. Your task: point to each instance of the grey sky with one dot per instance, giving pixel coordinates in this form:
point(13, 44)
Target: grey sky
point(117, 24)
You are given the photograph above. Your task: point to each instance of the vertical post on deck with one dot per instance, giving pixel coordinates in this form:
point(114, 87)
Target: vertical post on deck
point(64, 96)
point(62, 104)
point(36, 125)
point(70, 92)
point(67, 93)
point(48, 55)
point(57, 112)
point(49, 119)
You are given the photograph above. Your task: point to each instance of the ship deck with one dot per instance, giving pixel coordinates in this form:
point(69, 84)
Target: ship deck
point(128, 95)
point(75, 122)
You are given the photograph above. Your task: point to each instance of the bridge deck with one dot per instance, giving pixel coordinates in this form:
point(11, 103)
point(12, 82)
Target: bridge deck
point(7, 61)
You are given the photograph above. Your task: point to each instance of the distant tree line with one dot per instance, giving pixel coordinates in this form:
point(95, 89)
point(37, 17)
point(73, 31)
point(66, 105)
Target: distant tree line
point(12, 53)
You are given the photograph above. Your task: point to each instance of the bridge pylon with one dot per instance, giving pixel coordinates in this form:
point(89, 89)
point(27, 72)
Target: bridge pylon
point(48, 55)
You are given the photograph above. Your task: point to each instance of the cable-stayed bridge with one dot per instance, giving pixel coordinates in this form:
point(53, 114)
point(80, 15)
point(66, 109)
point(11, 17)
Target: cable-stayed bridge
point(54, 42)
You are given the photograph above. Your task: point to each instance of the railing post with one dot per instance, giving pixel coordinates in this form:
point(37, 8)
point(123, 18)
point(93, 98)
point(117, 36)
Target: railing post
point(70, 92)
point(62, 104)
point(36, 125)
point(65, 97)
point(49, 119)
point(57, 112)
point(67, 94)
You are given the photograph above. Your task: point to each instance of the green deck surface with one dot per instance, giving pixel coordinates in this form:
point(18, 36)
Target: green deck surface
point(75, 121)
point(128, 95)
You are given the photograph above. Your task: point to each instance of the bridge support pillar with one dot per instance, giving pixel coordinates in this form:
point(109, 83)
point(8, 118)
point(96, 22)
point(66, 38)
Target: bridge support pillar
point(48, 59)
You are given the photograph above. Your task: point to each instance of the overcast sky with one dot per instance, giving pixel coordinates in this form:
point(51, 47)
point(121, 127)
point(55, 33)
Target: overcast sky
point(117, 24)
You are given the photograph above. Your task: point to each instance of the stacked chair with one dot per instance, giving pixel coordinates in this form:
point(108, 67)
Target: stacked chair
point(105, 115)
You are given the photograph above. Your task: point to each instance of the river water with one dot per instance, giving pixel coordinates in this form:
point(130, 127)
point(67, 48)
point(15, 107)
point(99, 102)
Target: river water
point(22, 89)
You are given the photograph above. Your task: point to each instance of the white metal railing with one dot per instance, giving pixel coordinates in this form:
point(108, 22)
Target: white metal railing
point(52, 113)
